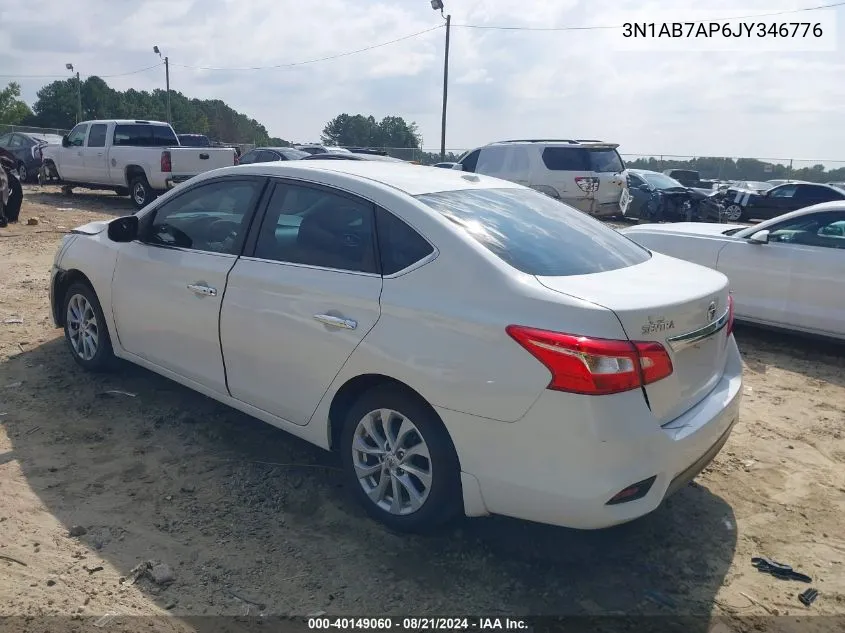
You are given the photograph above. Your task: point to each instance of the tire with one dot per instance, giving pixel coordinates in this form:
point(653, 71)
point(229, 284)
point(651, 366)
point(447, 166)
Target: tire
point(121, 191)
point(140, 191)
point(734, 208)
point(440, 500)
point(23, 173)
point(80, 305)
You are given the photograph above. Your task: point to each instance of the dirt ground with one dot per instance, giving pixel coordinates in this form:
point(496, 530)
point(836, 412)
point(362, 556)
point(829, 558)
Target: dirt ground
point(247, 520)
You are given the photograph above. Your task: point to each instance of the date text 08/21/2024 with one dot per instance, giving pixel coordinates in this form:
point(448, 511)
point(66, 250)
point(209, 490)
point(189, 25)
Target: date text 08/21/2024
point(418, 624)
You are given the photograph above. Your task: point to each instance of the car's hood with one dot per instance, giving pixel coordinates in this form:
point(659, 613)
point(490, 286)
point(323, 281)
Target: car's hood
point(683, 228)
point(92, 228)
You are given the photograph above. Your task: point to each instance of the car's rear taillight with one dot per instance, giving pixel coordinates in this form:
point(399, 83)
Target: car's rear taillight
point(594, 366)
point(587, 184)
point(730, 327)
point(36, 152)
point(166, 163)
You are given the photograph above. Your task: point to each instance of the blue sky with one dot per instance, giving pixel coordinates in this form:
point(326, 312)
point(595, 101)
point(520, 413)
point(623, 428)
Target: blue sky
point(503, 84)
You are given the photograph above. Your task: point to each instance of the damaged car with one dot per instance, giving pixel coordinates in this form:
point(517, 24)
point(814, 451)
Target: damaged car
point(739, 204)
point(653, 197)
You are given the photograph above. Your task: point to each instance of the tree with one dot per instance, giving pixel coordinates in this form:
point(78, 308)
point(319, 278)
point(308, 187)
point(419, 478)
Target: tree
point(12, 109)
point(57, 106)
point(364, 131)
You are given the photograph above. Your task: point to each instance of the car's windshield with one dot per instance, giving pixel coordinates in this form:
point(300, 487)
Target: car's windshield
point(535, 233)
point(660, 181)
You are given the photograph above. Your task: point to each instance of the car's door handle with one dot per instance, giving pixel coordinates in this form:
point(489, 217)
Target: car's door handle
point(339, 322)
point(203, 156)
point(200, 289)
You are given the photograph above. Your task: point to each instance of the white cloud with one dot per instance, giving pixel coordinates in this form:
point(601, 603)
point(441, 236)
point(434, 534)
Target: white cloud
point(503, 84)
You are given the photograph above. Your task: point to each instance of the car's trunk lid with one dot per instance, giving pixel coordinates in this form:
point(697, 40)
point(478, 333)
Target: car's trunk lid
point(680, 305)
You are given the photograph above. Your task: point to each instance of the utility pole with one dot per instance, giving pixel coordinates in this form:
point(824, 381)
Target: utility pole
point(437, 5)
point(167, 81)
point(78, 93)
point(445, 91)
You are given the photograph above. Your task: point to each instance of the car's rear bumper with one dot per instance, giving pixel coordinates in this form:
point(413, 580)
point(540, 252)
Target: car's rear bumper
point(569, 455)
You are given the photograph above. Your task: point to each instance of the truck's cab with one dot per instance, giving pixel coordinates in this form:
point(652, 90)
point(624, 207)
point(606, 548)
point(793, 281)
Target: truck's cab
point(136, 158)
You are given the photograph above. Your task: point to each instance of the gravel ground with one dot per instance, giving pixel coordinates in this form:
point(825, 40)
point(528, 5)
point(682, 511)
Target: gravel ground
point(220, 514)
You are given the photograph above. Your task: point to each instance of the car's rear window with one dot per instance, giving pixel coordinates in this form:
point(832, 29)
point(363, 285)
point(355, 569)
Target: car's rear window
point(535, 233)
point(144, 135)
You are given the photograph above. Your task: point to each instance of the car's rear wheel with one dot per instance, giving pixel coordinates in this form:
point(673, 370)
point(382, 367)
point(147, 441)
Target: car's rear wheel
point(732, 213)
point(23, 173)
point(400, 461)
point(140, 191)
point(86, 332)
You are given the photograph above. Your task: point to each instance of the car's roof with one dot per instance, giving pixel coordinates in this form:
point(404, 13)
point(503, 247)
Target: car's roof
point(125, 122)
point(412, 179)
point(277, 148)
point(645, 171)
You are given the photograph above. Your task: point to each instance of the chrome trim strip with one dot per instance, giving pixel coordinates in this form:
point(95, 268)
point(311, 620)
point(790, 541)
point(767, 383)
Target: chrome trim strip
point(683, 341)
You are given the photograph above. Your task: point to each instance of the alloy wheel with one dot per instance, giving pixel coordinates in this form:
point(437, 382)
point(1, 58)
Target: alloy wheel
point(83, 330)
point(733, 212)
point(392, 461)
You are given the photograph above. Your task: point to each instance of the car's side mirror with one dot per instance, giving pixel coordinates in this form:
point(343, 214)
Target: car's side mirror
point(760, 237)
point(645, 188)
point(124, 229)
point(65, 141)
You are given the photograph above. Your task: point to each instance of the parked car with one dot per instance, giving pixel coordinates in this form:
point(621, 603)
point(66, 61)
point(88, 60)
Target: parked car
point(11, 192)
point(140, 159)
point(585, 174)
point(26, 147)
point(736, 204)
point(687, 177)
point(652, 196)
point(314, 148)
point(446, 165)
point(465, 343)
point(271, 155)
point(194, 140)
point(352, 156)
point(785, 272)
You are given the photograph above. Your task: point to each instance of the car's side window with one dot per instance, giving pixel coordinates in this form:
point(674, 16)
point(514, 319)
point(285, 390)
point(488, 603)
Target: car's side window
point(471, 161)
point(76, 138)
point(212, 217)
point(635, 181)
point(565, 159)
point(814, 193)
point(249, 158)
point(492, 160)
point(826, 230)
point(5, 140)
point(399, 245)
point(97, 135)
point(318, 227)
point(266, 156)
point(784, 191)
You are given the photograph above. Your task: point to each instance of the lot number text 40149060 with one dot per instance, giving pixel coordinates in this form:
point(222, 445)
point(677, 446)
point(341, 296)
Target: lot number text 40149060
point(418, 624)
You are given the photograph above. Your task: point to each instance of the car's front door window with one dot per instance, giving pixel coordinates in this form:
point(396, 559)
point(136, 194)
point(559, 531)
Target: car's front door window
point(211, 217)
point(76, 138)
point(826, 230)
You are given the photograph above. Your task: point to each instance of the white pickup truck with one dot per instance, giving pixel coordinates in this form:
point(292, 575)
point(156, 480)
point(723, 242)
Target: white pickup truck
point(140, 159)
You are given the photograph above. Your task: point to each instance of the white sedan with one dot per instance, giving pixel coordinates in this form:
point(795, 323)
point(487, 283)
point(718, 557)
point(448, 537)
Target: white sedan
point(786, 272)
point(466, 344)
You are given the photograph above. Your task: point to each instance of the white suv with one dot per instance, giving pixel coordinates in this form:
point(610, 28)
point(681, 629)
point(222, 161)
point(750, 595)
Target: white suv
point(585, 174)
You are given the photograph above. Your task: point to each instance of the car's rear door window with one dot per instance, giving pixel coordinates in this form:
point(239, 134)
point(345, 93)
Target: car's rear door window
point(535, 233)
point(566, 159)
point(605, 161)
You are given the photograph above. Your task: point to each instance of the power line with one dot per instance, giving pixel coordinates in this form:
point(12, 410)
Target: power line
point(131, 72)
point(320, 59)
point(619, 26)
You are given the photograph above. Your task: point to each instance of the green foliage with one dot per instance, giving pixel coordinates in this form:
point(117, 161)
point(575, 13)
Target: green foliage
point(12, 109)
point(364, 131)
point(57, 106)
point(740, 169)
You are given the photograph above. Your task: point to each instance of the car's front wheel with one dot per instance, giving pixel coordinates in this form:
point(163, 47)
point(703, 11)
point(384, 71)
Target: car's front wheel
point(732, 213)
point(86, 332)
point(400, 461)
